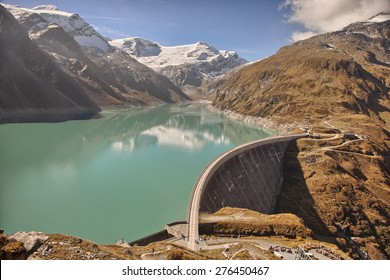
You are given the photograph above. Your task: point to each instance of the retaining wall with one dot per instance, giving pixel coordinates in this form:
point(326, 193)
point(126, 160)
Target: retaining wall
point(155, 237)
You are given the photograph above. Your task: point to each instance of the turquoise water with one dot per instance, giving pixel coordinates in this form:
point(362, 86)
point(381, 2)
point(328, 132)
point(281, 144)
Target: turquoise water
point(124, 175)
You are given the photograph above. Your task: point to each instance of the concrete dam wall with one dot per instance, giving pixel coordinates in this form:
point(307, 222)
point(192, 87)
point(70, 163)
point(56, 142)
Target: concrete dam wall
point(249, 176)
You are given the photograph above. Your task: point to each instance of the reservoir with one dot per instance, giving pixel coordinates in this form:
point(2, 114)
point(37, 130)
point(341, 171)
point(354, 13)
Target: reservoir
point(124, 175)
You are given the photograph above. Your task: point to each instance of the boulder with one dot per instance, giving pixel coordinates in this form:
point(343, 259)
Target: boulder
point(31, 240)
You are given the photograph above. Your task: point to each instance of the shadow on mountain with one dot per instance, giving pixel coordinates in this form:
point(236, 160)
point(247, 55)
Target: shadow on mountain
point(295, 196)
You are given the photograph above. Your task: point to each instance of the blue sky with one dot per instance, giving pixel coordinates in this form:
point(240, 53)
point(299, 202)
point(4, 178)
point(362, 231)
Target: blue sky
point(253, 28)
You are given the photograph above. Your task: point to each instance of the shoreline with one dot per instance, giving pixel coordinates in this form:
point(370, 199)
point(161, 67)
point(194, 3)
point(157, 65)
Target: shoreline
point(264, 123)
point(267, 125)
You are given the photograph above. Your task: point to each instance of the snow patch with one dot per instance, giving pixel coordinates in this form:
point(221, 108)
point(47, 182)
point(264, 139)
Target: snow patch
point(329, 47)
point(381, 17)
point(92, 42)
point(137, 47)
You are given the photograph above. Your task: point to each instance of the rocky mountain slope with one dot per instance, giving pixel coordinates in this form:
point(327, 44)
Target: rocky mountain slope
point(335, 73)
point(332, 83)
point(111, 78)
point(32, 86)
point(187, 66)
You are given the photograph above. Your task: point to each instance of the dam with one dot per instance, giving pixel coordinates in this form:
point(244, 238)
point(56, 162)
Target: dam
point(249, 176)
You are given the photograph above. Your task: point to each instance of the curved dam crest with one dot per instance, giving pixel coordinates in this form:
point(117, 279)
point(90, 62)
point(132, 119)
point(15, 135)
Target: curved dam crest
point(249, 176)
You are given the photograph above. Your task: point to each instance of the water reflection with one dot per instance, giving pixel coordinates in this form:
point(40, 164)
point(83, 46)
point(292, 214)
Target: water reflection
point(188, 127)
point(183, 127)
point(186, 139)
point(183, 138)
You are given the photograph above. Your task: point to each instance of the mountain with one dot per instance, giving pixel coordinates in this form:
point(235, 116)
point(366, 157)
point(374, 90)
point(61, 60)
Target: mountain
point(335, 73)
point(187, 66)
point(32, 86)
point(337, 82)
point(40, 17)
point(110, 77)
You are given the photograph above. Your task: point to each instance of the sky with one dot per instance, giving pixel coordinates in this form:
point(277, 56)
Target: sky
point(254, 28)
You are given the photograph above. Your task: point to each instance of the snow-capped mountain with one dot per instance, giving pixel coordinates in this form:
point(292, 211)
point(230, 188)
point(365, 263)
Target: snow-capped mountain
point(42, 16)
point(184, 65)
point(110, 77)
point(156, 56)
point(187, 66)
point(33, 86)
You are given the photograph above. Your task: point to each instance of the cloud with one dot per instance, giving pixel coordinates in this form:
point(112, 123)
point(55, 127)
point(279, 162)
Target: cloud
point(319, 16)
point(109, 32)
point(247, 51)
point(104, 18)
point(298, 35)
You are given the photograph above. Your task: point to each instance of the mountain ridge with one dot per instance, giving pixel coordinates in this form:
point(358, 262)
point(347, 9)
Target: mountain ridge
point(83, 33)
point(330, 55)
point(111, 78)
point(187, 66)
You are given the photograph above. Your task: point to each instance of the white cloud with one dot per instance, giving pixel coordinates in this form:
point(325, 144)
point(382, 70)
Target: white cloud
point(109, 32)
point(104, 18)
point(319, 16)
point(297, 36)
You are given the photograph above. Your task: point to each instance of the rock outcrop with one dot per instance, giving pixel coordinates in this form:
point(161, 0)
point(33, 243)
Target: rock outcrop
point(31, 240)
